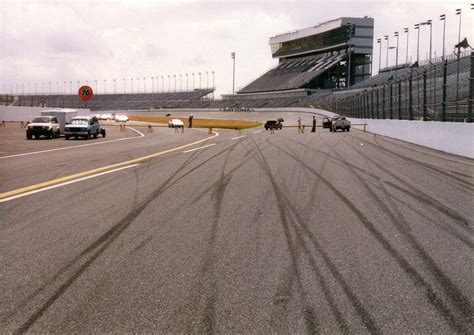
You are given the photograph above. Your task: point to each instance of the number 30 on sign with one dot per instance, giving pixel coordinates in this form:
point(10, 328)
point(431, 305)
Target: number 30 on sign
point(85, 93)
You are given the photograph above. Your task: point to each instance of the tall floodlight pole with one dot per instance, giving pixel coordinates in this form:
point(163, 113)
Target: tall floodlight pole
point(169, 83)
point(105, 86)
point(207, 79)
point(124, 85)
point(180, 82)
point(187, 82)
point(144, 84)
point(49, 88)
point(396, 58)
point(417, 27)
point(65, 87)
point(193, 80)
point(96, 87)
point(115, 87)
point(379, 41)
point(407, 31)
point(138, 85)
point(387, 38)
point(233, 71)
point(132, 84)
point(36, 88)
point(443, 18)
point(458, 12)
point(162, 84)
point(57, 87)
point(152, 84)
point(349, 30)
point(174, 76)
point(213, 85)
point(70, 86)
point(200, 86)
point(428, 23)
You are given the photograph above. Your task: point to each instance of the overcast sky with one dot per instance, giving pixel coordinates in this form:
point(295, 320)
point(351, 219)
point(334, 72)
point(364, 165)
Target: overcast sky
point(57, 41)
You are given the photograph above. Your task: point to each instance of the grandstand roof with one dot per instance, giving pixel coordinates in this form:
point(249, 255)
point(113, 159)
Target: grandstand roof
point(321, 28)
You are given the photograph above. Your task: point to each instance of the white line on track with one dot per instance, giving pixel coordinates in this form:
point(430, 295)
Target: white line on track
point(203, 147)
point(236, 138)
point(257, 132)
point(66, 183)
point(76, 146)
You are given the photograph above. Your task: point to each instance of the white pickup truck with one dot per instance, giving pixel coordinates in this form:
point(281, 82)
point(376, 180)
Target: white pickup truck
point(340, 122)
point(43, 126)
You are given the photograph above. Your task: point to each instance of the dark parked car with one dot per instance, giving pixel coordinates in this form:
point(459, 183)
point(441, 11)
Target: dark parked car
point(276, 124)
point(327, 122)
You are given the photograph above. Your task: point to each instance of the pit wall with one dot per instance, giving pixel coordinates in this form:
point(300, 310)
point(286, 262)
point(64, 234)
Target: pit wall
point(13, 113)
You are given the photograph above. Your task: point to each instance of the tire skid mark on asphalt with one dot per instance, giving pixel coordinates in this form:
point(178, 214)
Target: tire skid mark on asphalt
point(96, 248)
point(445, 173)
point(418, 194)
point(460, 302)
point(411, 272)
point(76, 146)
point(411, 147)
point(301, 230)
point(100, 169)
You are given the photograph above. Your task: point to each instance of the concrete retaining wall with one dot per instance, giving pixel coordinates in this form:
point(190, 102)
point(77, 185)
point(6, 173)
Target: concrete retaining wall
point(13, 113)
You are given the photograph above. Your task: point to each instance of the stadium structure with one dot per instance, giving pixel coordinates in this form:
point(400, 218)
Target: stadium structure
point(326, 56)
point(325, 66)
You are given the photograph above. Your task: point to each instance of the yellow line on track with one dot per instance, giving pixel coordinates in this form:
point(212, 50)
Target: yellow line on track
point(96, 170)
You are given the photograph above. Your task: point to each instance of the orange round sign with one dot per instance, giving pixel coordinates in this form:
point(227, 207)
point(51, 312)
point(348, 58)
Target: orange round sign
point(85, 92)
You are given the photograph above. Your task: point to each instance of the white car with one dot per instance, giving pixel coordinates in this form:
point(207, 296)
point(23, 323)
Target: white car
point(121, 118)
point(105, 116)
point(175, 123)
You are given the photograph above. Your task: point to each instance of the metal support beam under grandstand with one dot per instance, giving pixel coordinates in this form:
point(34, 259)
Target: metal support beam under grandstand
point(378, 107)
point(425, 103)
point(471, 90)
point(390, 109)
point(445, 86)
point(383, 102)
point(400, 100)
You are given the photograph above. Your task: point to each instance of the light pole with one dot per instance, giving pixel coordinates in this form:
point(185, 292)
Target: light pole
point(132, 84)
point(138, 85)
point(169, 83)
point(36, 88)
point(443, 18)
point(115, 86)
point(199, 73)
point(187, 82)
point(213, 86)
point(124, 85)
point(406, 30)
point(180, 82)
point(387, 38)
point(233, 71)
point(152, 84)
point(193, 80)
point(144, 84)
point(458, 12)
point(207, 79)
point(49, 88)
point(174, 77)
point(396, 58)
point(96, 87)
point(65, 87)
point(105, 86)
point(162, 84)
point(379, 41)
point(57, 88)
point(428, 23)
point(417, 27)
point(70, 86)
point(29, 89)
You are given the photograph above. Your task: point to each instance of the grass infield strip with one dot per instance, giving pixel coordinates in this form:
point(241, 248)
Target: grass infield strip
point(200, 123)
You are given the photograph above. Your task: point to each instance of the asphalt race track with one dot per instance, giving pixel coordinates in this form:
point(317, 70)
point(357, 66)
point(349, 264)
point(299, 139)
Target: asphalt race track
point(343, 232)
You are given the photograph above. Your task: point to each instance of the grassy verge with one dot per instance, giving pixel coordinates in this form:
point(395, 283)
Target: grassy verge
point(200, 123)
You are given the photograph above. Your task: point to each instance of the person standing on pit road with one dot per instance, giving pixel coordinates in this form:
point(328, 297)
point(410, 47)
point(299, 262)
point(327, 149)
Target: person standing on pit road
point(190, 120)
point(313, 130)
point(299, 125)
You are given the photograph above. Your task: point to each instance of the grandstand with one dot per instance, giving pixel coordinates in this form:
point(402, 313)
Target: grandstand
point(321, 57)
point(117, 101)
